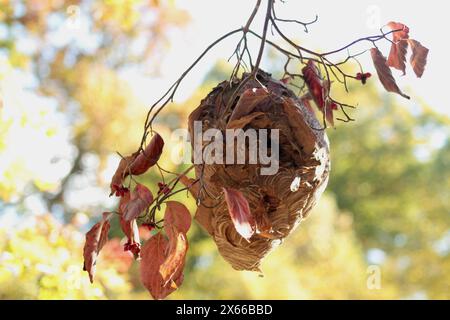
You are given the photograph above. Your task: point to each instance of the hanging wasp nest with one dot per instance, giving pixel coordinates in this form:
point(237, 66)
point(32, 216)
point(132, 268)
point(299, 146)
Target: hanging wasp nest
point(278, 202)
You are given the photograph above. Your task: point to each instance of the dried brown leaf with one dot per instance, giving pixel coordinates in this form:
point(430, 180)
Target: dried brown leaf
point(399, 48)
point(140, 200)
point(314, 83)
point(131, 231)
point(149, 156)
point(174, 264)
point(384, 73)
point(137, 163)
point(318, 92)
point(419, 57)
point(154, 253)
point(96, 238)
point(177, 221)
point(123, 202)
point(121, 173)
point(329, 108)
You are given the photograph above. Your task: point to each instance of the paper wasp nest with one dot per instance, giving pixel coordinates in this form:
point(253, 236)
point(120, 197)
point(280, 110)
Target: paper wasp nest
point(278, 202)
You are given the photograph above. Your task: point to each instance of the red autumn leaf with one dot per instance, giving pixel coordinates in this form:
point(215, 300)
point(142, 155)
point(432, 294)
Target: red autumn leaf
point(140, 200)
point(173, 265)
point(131, 231)
point(399, 48)
point(124, 199)
point(177, 222)
point(149, 156)
point(163, 261)
point(314, 84)
point(121, 173)
point(318, 91)
point(239, 211)
point(384, 73)
point(129, 228)
point(177, 215)
point(154, 253)
point(329, 108)
point(419, 57)
point(95, 240)
point(136, 164)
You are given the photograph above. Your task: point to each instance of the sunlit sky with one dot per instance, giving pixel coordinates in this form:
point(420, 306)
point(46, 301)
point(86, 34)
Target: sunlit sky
point(339, 23)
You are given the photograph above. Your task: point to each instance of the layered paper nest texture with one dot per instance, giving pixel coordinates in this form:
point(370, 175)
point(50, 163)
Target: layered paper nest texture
point(278, 202)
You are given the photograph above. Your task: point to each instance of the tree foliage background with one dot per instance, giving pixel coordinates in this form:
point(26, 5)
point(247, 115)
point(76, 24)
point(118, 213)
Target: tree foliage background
point(66, 107)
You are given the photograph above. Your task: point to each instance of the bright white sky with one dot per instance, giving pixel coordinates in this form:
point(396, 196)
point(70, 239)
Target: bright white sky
point(339, 23)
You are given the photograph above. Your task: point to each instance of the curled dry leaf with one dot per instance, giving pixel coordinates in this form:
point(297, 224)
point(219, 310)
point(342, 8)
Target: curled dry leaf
point(399, 48)
point(173, 265)
point(177, 221)
point(163, 261)
point(329, 108)
point(131, 231)
point(154, 254)
point(95, 240)
point(149, 157)
point(314, 83)
point(419, 57)
point(384, 73)
point(137, 163)
point(121, 173)
point(124, 201)
point(140, 200)
point(240, 213)
point(129, 228)
point(318, 91)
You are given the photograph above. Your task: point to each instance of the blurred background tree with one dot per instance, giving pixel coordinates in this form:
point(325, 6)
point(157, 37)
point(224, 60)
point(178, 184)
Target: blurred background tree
point(67, 107)
point(73, 52)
